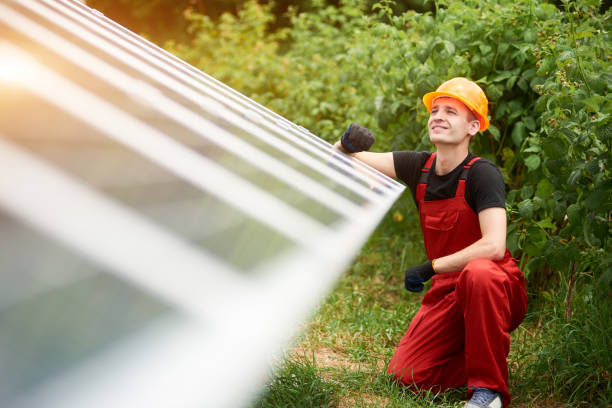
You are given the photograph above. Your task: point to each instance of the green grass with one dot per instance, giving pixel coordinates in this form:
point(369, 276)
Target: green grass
point(340, 359)
point(570, 359)
point(298, 383)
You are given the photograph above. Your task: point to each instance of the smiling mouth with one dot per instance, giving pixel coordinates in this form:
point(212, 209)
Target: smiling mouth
point(435, 127)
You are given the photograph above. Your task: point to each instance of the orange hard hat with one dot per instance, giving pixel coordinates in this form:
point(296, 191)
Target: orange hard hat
point(467, 92)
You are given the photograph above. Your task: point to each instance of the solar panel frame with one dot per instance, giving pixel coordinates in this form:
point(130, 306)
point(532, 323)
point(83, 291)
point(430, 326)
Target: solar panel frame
point(231, 98)
point(197, 353)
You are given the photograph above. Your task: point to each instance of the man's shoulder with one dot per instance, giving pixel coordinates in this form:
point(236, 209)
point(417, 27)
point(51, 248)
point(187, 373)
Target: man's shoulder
point(408, 165)
point(485, 170)
point(485, 186)
point(410, 160)
point(482, 164)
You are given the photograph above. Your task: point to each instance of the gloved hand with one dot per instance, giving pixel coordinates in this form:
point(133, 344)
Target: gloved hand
point(357, 139)
point(416, 275)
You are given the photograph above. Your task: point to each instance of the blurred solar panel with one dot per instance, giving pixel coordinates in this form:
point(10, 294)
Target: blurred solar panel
point(163, 236)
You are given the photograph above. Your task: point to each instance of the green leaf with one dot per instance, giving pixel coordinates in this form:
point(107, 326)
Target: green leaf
point(527, 191)
point(557, 256)
point(593, 167)
point(605, 280)
point(593, 103)
point(533, 149)
point(449, 47)
point(532, 162)
point(508, 154)
point(494, 131)
point(546, 66)
point(537, 236)
point(544, 11)
point(535, 241)
point(533, 265)
point(538, 203)
point(574, 213)
point(523, 84)
point(583, 34)
point(544, 189)
point(596, 199)
point(573, 252)
point(502, 76)
point(559, 210)
point(494, 92)
point(529, 123)
point(485, 49)
point(511, 81)
point(574, 176)
point(530, 35)
point(512, 242)
point(554, 147)
point(565, 55)
point(546, 224)
point(511, 197)
point(516, 109)
point(526, 209)
point(518, 134)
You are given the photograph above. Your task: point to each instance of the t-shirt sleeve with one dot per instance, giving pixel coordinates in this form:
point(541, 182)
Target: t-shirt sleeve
point(408, 165)
point(486, 188)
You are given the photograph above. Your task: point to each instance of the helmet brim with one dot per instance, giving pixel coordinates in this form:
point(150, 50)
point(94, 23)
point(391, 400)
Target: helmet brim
point(428, 99)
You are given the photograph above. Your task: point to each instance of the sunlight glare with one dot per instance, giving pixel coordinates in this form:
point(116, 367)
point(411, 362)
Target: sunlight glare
point(13, 65)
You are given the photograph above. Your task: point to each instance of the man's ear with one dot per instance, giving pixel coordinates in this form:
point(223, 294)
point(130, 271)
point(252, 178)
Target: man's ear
point(473, 127)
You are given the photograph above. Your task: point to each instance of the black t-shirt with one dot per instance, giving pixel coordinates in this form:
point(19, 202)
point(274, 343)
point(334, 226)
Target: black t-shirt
point(484, 185)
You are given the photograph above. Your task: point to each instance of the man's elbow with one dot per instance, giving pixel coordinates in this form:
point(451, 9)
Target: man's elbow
point(498, 250)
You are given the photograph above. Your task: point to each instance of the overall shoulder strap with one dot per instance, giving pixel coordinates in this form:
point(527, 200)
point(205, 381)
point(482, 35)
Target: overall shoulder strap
point(422, 185)
point(463, 177)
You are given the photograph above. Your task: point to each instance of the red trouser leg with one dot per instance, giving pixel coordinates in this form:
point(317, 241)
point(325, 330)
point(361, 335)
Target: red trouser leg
point(492, 296)
point(462, 336)
point(431, 353)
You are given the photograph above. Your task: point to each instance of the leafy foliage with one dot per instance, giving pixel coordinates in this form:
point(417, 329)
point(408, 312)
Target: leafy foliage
point(237, 50)
point(157, 20)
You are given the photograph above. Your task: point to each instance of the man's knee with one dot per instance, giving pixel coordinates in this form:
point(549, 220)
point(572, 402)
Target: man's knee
point(413, 376)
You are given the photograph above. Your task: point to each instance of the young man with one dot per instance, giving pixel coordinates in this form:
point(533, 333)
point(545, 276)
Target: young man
point(460, 335)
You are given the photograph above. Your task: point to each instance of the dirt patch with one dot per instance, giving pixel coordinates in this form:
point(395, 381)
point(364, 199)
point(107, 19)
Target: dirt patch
point(328, 360)
point(363, 400)
point(326, 357)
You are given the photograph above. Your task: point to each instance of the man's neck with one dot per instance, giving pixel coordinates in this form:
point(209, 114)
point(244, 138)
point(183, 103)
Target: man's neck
point(449, 157)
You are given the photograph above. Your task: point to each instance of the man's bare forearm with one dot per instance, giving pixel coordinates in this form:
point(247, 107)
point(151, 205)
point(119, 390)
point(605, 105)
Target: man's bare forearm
point(382, 162)
point(491, 246)
point(480, 249)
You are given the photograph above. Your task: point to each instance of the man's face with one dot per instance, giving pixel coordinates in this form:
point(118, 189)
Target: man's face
point(451, 122)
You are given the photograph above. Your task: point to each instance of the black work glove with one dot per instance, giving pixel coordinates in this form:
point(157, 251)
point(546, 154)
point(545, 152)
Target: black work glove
point(357, 139)
point(416, 275)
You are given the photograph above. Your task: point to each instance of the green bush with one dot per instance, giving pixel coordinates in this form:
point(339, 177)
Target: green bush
point(237, 50)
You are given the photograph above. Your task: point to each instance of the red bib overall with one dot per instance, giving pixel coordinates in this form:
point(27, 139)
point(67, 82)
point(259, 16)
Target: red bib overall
point(460, 335)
